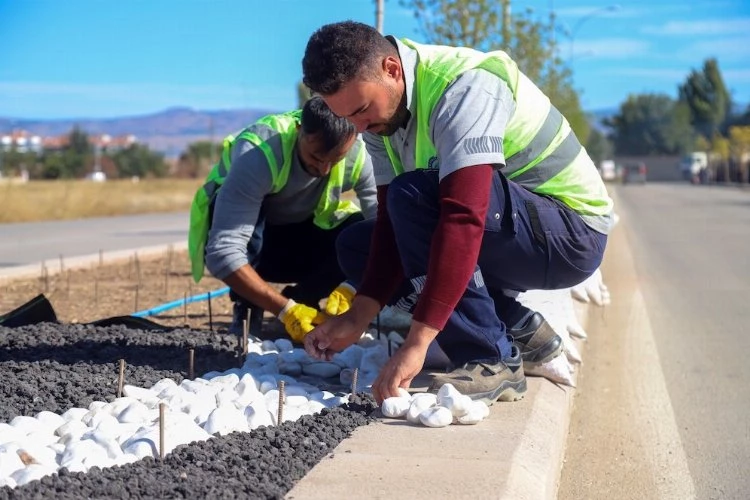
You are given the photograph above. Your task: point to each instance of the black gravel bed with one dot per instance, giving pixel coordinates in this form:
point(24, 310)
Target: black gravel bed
point(55, 367)
point(264, 463)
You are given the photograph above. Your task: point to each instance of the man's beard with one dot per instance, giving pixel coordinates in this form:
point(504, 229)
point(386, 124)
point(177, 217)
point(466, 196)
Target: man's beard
point(399, 118)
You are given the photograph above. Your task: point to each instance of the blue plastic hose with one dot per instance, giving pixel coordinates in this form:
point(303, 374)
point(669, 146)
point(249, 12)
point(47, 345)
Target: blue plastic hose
point(179, 302)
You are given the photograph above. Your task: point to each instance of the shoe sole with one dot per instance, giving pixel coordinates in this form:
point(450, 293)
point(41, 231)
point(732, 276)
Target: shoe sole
point(508, 391)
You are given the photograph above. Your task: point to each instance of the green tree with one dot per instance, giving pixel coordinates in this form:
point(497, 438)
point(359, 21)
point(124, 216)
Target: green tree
point(720, 149)
point(739, 143)
point(138, 160)
point(707, 97)
point(487, 25)
point(70, 161)
point(14, 161)
point(198, 158)
point(599, 146)
point(651, 124)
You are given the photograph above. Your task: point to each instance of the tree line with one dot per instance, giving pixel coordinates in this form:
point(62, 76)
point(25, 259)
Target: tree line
point(79, 157)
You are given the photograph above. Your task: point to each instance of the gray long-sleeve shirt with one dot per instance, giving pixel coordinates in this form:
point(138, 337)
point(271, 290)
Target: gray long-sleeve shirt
point(247, 191)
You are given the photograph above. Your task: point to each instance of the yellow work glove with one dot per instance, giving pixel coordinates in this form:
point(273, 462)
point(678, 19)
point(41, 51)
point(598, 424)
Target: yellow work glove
point(299, 319)
point(340, 299)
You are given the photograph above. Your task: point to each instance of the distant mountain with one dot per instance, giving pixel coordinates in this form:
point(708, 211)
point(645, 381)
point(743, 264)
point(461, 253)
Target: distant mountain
point(168, 131)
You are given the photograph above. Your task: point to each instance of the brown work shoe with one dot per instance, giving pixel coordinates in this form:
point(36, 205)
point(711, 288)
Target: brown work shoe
point(538, 341)
point(504, 381)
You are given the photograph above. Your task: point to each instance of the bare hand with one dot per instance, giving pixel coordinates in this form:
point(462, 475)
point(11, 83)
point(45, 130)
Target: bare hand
point(399, 371)
point(334, 335)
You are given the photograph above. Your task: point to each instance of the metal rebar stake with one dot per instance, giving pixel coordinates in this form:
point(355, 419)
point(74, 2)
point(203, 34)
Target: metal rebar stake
point(121, 378)
point(191, 363)
point(282, 396)
point(355, 377)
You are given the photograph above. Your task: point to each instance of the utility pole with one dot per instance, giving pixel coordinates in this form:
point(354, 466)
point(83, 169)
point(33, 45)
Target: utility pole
point(379, 10)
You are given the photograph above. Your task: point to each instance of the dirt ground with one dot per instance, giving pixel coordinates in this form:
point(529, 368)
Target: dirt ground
point(124, 287)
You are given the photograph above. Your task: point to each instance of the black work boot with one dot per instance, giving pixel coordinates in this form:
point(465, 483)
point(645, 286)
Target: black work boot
point(504, 381)
point(538, 341)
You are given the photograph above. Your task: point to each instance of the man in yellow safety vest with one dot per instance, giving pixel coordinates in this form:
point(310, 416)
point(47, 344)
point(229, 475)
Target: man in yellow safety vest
point(483, 191)
point(272, 208)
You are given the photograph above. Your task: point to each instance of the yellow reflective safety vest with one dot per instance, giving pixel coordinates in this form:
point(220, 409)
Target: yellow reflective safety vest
point(542, 153)
point(329, 212)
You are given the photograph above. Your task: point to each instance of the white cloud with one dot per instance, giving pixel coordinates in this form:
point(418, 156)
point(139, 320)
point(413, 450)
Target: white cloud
point(704, 27)
point(724, 49)
point(610, 48)
point(596, 10)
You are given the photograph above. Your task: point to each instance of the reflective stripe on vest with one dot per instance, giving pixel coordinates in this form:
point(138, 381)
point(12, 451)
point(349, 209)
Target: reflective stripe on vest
point(329, 212)
point(538, 145)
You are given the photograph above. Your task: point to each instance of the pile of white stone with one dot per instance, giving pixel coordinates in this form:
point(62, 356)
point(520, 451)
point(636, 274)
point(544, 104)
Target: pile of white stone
point(238, 400)
point(446, 407)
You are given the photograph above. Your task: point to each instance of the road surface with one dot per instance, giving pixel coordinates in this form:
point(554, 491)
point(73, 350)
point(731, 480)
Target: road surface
point(30, 243)
point(663, 409)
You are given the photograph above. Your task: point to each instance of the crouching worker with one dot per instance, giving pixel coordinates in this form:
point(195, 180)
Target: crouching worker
point(271, 209)
point(483, 191)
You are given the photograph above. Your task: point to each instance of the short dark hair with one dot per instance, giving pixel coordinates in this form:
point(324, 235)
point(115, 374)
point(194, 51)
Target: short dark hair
point(338, 52)
point(318, 119)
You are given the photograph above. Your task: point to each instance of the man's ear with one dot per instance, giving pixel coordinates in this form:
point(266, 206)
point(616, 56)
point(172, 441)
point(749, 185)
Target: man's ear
point(392, 67)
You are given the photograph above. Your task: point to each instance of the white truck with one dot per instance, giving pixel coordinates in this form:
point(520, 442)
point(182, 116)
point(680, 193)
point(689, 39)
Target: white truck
point(692, 164)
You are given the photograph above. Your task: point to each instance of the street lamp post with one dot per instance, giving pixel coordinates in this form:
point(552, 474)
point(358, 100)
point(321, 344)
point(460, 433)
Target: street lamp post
point(577, 26)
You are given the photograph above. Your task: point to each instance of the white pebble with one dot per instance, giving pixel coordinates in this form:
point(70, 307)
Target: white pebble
point(437, 416)
point(74, 414)
point(322, 369)
point(291, 368)
point(229, 380)
point(418, 405)
point(225, 420)
point(136, 412)
point(458, 404)
point(314, 407)
point(9, 463)
point(257, 415)
point(25, 424)
point(162, 384)
point(268, 346)
point(395, 407)
point(283, 345)
point(32, 473)
point(138, 393)
point(478, 412)
point(50, 420)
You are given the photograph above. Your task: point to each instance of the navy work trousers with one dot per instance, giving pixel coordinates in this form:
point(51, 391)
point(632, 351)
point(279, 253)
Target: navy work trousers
point(300, 253)
point(530, 242)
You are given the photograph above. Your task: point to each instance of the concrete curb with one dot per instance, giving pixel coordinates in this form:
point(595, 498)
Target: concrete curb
point(78, 262)
point(517, 453)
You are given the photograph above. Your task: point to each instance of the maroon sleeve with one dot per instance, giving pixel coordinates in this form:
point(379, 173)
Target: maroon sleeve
point(464, 197)
point(384, 273)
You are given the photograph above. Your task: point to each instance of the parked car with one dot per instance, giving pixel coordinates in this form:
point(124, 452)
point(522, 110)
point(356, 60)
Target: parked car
point(634, 173)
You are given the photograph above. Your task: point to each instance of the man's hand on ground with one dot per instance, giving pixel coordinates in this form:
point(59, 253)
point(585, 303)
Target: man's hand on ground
point(300, 319)
point(399, 371)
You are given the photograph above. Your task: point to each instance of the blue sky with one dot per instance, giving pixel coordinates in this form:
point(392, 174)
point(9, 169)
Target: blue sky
point(87, 58)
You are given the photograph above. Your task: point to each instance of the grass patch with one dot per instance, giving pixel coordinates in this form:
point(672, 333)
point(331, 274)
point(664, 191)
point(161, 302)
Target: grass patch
point(75, 199)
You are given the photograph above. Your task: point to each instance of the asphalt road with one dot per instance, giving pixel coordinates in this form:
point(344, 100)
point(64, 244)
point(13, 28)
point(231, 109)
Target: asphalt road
point(663, 409)
point(29, 243)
